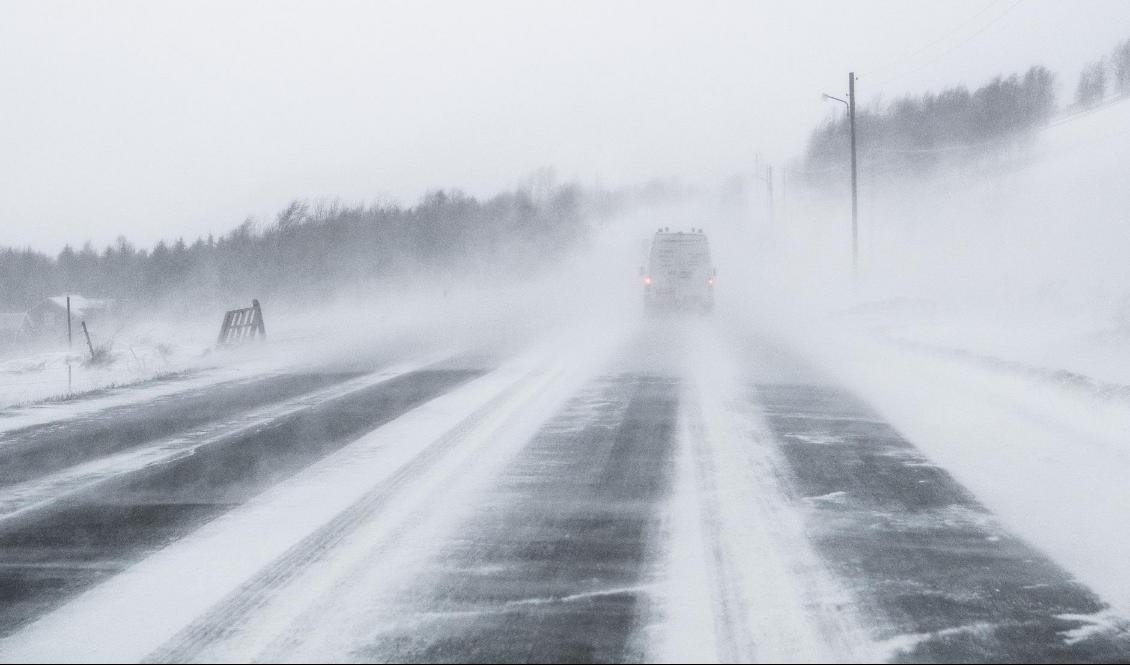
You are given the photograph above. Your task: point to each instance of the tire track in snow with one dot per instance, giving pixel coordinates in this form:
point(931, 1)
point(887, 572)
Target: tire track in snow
point(164, 594)
point(315, 604)
point(17, 421)
point(23, 501)
point(740, 581)
point(549, 563)
point(941, 578)
point(79, 543)
point(38, 451)
point(226, 625)
point(161, 597)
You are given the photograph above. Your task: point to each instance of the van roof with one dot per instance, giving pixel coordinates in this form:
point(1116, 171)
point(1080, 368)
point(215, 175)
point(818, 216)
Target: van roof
point(680, 235)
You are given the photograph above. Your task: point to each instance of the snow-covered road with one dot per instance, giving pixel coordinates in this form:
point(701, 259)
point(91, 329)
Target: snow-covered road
point(680, 491)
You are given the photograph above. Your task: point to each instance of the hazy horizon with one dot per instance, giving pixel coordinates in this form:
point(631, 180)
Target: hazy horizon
point(159, 120)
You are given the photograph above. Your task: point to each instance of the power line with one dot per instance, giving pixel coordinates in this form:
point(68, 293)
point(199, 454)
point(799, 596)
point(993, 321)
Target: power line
point(953, 48)
point(961, 26)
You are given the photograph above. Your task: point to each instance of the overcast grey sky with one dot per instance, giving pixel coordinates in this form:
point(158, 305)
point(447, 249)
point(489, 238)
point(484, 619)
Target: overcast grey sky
point(163, 119)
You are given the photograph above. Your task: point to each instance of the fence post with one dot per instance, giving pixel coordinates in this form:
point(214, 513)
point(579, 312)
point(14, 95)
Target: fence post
point(259, 325)
point(224, 328)
point(88, 344)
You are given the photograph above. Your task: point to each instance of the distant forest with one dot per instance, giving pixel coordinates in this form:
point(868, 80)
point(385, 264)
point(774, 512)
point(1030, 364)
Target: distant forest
point(1109, 75)
point(309, 250)
point(916, 133)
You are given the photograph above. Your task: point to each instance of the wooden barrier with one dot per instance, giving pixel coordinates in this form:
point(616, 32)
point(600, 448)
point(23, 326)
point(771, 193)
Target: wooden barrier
point(243, 324)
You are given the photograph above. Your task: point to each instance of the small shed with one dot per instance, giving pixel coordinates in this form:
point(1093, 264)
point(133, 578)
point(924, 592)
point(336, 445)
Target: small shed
point(50, 315)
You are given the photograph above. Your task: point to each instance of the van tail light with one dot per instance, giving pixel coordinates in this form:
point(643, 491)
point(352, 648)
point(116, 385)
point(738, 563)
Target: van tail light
point(647, 281)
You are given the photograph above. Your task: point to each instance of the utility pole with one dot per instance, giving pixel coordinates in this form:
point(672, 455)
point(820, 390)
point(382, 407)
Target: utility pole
point(70, 345)
point(854, 179)
point(850, 104)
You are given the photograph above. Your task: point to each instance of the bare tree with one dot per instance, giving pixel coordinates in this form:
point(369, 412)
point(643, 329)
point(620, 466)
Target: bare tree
point(1120, 61)
point(1092, 84)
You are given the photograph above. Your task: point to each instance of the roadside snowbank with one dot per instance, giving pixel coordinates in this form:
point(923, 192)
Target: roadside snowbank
point(1051, 460)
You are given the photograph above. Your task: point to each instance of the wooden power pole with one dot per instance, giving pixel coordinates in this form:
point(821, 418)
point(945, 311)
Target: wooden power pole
point(854, 179)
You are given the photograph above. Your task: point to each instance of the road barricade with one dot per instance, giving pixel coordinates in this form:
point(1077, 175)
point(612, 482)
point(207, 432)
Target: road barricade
point(242, 324)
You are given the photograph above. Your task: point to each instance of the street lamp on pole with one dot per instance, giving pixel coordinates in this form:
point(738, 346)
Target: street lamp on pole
point(850, 104)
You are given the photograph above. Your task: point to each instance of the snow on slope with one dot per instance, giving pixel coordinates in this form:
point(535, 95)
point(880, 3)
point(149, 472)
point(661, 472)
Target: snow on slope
point(991, 326)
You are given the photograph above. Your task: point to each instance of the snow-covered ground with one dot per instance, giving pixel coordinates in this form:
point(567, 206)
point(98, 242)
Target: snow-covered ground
point(1022, 260)
point(737, 547)
point(380, 549)
point(145, 359)
point(168, 353)
point(40, 375)
point(1049, 459)
point(475, 428)
point(990, 325)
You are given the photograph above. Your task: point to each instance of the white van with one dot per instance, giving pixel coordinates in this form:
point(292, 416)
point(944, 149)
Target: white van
point(679, 274)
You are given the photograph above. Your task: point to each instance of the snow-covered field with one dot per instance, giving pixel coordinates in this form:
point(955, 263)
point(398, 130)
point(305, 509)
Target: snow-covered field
point(162, 356)
point(27, 377)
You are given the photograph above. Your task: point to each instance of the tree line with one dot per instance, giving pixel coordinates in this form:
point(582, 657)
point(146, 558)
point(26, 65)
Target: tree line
point(1092, 88)
point(310, 249)
point(916, 132)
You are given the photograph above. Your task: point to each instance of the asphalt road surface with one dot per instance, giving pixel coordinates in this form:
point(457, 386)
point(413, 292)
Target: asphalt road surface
point(677, 492)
